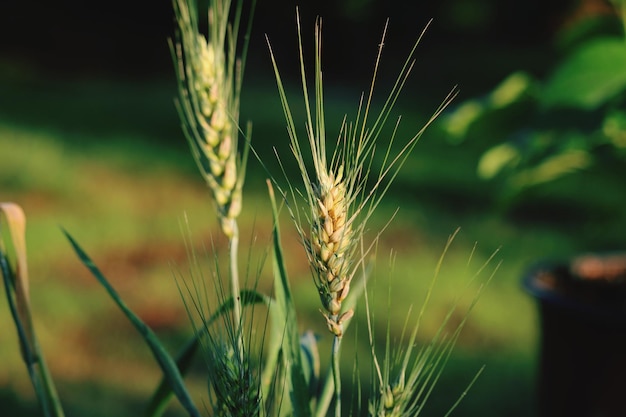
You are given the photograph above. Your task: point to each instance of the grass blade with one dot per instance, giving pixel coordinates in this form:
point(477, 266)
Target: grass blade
point(17, 290)
point(165, 361)
point(163, 394)
point(16, 222)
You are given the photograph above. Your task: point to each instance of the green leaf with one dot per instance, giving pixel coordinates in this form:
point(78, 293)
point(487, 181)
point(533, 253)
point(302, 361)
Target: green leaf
point(16, 223)
point(551, 168)
point(592, 75)
point(165, 361)
point(494, 160)
point(163, 393)
point(272, 354)
point(16, 285)
point(300, 397)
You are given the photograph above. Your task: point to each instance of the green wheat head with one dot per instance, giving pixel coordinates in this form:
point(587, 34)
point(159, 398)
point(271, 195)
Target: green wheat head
point(234, 388)
point(407, 374)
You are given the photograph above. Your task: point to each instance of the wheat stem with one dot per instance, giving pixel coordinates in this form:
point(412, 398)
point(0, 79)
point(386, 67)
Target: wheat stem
point(337, 374)
point(234, 285)
point(209, 81)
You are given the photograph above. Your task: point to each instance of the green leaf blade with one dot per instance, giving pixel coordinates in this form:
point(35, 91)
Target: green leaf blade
point(591, 76)
point(300, 396)
point(17, 285)
point(165, 361)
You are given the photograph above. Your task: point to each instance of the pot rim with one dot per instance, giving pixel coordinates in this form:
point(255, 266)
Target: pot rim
point(609, 310)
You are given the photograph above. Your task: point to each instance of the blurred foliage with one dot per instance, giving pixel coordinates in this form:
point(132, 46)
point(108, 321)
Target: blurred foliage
point(536, 130)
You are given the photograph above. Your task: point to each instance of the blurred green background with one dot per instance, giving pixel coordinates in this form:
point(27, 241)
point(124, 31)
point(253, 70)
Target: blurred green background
point(90, 141)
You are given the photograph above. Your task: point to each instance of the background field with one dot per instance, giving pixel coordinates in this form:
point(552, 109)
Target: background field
point(90, 142)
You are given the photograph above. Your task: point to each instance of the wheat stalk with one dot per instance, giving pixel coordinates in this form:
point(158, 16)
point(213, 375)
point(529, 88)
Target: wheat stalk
point(209, 79)
point(234, 383)
point(339, 201)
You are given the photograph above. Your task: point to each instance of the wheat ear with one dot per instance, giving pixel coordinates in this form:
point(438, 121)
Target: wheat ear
point(209, 82)
point(330, 246)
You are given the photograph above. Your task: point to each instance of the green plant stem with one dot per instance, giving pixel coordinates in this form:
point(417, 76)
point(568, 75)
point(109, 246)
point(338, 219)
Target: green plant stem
point(48, 384)
point(234, 285)
point(337, 374)
point(32, 355)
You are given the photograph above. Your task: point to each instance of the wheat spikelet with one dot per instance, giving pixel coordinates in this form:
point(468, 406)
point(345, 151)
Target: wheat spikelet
point(392, 403)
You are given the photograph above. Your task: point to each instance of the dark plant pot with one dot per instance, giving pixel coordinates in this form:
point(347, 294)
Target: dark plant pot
point(582, 306)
